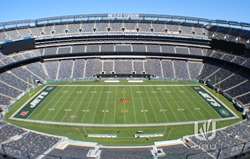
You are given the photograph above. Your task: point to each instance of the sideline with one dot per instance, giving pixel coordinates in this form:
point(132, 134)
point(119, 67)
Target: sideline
point(118, 125)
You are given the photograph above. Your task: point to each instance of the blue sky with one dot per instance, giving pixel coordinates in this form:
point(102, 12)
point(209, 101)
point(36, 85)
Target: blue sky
point(234, 10)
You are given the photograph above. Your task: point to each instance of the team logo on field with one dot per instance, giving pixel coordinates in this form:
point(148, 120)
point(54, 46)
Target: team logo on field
point(123, 92)
point(24, 113)
point(224, 112)
point(67, 110)
point(124, 111)
point(123, 100)
point(197, 88)
point(73, 116)
point(50, 88)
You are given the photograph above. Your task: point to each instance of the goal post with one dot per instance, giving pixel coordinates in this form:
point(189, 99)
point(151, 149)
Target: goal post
point(30, 88)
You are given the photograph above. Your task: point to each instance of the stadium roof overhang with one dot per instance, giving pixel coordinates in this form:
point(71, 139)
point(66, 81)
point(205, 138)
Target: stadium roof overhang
point(118, 16)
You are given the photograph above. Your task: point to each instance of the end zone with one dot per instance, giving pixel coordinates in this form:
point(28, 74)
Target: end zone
point(214, 102)
point(33, 103)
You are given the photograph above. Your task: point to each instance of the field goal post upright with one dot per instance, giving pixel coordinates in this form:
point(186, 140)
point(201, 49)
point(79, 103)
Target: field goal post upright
point(30, 89)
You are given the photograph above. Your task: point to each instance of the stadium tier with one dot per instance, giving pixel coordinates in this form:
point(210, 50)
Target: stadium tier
point(91, 47)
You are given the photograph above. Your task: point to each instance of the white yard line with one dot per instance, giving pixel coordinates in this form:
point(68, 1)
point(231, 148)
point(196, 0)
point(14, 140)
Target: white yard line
point(63, 103)
point(190, 100)
point(115, 103)
point(124, 111)
point(133, 104)
point(142, 106)
point(210, 105)
point(185, 103)
point(83, 98)
point(202, 105)
point(75, 97)
point(48, 104)
point(44, 107)
point(106, 107)
point(160, 103)
point(97, 106)
point(176, 104)
point(169, 106)
point(151, 104)
point(88, 105)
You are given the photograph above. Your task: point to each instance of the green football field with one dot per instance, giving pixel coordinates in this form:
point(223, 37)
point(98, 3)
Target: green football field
point(123, 104)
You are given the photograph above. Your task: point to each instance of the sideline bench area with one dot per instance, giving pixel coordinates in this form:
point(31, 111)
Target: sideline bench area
point(148, 135)
point(102, 135)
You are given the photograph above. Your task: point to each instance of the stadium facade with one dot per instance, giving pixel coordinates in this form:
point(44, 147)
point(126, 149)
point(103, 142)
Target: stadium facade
point(162, 47)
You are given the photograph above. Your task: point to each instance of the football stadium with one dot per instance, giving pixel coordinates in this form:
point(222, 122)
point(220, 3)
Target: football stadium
point(124, 86)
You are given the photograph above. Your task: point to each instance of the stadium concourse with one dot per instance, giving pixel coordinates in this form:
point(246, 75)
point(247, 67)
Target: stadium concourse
point(166, 47)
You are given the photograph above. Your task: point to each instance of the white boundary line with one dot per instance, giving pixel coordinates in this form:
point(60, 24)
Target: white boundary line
point(119, 125)
point(236, 116)
point(132, 85)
